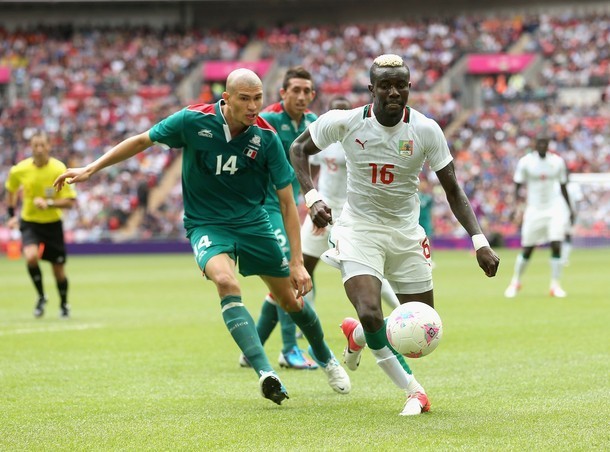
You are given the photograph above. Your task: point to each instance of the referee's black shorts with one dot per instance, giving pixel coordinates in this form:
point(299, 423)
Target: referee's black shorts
point(48, 236)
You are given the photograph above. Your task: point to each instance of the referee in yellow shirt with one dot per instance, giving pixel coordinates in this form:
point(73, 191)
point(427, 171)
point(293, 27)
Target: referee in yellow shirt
point(40, 222)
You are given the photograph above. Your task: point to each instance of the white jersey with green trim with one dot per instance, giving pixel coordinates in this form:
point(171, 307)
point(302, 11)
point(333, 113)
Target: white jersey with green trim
point(383, 163)
point(542, 176)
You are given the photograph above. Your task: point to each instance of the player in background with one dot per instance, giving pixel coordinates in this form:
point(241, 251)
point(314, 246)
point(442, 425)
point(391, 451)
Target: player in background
point(378, 234)
point(544, 217)
point(40, 223)
point(576, 195)
point(229, 156)
point(289, 117)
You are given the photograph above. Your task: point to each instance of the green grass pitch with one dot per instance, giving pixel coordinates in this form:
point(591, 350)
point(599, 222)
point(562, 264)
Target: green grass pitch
point(146, 363)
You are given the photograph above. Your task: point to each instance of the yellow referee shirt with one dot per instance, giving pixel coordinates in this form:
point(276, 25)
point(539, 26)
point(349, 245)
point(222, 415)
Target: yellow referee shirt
point(38, 182)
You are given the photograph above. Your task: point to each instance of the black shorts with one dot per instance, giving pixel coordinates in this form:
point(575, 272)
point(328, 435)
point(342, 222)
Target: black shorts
point(48, 236)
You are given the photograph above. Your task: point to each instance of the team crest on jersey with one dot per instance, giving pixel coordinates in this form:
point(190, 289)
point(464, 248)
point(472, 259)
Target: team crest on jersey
point(405, 148)
point(285, 127)
point(255, 140)
point(205, 133)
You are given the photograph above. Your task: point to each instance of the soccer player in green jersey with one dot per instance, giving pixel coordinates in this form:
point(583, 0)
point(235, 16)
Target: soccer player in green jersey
point(229, 156)
point(40, 221)
point(289, 117)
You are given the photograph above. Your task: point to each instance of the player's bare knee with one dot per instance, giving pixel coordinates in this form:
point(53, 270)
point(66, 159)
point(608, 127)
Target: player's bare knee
point(226, 283)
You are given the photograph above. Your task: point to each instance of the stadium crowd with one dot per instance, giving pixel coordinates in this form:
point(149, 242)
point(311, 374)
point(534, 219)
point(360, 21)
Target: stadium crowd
point(91, 88)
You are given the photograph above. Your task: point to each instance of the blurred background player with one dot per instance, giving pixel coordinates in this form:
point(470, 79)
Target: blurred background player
point(290, 117)
point(40, 223)
point(224, 217)
point(544, 217)
point(378, 234)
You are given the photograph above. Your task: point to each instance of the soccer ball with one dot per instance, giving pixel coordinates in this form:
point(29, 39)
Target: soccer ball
point(414, 329)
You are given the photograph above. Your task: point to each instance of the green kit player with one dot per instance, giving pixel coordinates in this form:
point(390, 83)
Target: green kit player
point(289, 117)
point(229, 156)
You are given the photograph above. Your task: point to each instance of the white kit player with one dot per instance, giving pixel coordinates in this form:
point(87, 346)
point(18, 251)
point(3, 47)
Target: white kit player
point(332, 186)
point(544, 219)
point(378, 233)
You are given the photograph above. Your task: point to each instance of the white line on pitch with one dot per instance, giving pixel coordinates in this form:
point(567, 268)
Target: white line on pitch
point(53, 329)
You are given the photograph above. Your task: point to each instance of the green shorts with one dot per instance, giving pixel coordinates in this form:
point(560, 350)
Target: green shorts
point(253, 247)
point(277, 225)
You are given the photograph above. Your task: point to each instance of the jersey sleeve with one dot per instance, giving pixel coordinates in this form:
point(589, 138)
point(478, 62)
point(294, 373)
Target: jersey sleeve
point(519, 176)
point(330, 127)
point(280, 170)
point(169, 132)
point(436, 148)
point(12, 182)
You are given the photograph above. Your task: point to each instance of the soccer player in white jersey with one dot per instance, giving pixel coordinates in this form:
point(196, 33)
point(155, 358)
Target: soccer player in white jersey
point(544, 217)
point(378, 233)
point(332, 186)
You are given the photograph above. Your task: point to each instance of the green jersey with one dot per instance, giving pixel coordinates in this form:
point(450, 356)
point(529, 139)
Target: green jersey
point(288, 131)
point(224, 179)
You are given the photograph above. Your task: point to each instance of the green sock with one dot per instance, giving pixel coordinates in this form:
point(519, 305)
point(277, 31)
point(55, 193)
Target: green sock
point(289, 330)
point(267, 320)
point(308, 321)
point(241, 326)
point(379, 340)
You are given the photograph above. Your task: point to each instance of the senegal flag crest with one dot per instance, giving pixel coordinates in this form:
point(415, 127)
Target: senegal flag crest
point(405, 148)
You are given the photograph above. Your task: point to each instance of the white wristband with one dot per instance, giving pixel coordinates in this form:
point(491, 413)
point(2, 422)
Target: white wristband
point(311, 197)
point(479, 241)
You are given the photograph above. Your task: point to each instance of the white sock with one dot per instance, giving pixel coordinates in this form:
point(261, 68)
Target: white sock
point(556, 266)
point(358, 335)
point(520, 266)
point(388, 295)
point(390, 365)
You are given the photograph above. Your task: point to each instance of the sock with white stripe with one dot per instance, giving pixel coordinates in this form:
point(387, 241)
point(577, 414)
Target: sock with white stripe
point(241, 326)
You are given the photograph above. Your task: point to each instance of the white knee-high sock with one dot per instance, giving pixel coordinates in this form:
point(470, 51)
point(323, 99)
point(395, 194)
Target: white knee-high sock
point(556, 266)
point(388, 295)
point(520, 266)
point(391, 366)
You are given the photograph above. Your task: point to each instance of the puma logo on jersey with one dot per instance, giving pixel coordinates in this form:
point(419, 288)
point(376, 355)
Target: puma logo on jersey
point(361, 143)
point(205, 133)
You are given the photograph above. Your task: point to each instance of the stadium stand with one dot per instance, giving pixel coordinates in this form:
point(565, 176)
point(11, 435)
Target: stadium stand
point(91, 86)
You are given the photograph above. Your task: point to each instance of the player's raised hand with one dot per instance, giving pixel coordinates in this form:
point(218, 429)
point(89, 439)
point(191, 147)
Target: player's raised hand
point(72, 176)
point(321, 214)
point(488, 261)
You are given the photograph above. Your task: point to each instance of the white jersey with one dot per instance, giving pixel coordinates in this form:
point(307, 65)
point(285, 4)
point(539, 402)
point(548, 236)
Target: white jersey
point(332, 179)
point(542, 176)
point(383, 163)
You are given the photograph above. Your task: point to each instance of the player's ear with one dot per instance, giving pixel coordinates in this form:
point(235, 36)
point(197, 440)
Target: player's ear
point(371, 88)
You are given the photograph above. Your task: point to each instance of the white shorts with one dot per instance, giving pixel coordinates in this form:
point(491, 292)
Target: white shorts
point(311, 244)
point(400, 255)
point(542, 226)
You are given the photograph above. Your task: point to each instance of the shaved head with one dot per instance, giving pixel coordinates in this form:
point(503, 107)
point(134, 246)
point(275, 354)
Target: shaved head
point(242, 78)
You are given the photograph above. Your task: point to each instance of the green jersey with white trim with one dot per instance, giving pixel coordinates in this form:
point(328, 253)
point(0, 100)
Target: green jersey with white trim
point(288, 131)
point(224, 178)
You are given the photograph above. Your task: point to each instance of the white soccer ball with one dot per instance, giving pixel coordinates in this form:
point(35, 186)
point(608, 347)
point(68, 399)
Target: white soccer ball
point(414, 329)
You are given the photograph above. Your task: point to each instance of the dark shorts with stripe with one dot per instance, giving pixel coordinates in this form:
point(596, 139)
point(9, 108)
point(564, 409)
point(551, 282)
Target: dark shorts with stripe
point(48, 236)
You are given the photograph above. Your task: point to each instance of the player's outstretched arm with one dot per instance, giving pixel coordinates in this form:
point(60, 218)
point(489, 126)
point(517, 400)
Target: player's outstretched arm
point(300, 150)
point(122, 151)
point(460, 206)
